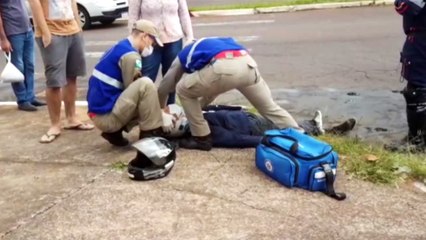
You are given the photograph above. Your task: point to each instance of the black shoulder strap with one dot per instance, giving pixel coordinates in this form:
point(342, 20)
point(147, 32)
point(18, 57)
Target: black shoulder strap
point(329, 177)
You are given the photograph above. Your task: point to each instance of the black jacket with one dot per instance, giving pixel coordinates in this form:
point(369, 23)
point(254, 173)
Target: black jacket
point(413, 55)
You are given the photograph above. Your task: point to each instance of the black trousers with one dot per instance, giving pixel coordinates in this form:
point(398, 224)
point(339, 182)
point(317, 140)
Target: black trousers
point(415, 98)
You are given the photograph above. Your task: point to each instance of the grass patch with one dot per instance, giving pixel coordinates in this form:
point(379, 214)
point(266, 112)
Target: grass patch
point(374, 164)
point(264, 4)
point(120, 166)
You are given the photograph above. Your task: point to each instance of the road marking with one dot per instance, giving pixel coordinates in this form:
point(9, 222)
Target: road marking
point(246, 38)
point(97, 55)
point(100, 43)
point(232, 23)
point(94, 54)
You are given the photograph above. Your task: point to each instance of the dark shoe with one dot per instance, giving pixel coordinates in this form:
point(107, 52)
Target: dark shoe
point(38, 103)
point(28, 107)
point(199, 143)
point(343, 128)
point(151, 133)
point(116, 138)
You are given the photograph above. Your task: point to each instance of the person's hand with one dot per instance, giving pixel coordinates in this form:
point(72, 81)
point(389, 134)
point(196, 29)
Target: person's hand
point(6, 46)
point(46, 39)
point(189, 41)
point(168, 122)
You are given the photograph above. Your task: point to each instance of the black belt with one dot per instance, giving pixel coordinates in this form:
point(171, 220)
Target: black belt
point(414, 30)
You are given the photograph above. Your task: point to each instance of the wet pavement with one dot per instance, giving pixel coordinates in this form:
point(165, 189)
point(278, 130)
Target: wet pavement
point(380, 114)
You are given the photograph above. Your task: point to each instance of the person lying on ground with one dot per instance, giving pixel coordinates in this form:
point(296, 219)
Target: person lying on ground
point(234, 127)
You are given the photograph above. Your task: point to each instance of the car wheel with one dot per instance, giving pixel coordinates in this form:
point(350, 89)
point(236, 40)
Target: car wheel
point(107, 21)
point(85, 22)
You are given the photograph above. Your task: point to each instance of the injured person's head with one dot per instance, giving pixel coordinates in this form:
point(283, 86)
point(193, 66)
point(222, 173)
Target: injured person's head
point(181, 125)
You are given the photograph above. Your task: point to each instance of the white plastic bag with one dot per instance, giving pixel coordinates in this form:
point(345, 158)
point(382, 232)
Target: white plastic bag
point(10, 73)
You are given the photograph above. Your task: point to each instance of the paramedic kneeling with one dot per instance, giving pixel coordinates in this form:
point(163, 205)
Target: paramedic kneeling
point(118, 98)
point(209, 67)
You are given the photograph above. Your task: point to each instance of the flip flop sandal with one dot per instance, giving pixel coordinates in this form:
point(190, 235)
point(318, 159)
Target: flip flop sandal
point(80, 127)
point(48, 138)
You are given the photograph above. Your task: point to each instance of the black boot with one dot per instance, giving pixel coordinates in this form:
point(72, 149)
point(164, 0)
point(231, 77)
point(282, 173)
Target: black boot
point(415, 98)
point(199, 143)
point(343, 128)
point(116, 138)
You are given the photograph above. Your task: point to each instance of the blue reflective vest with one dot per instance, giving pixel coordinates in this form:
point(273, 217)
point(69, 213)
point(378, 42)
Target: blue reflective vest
point(197, 55)
point(106, 82)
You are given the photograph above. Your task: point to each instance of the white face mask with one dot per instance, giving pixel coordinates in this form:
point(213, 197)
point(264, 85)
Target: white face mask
point(147, 51)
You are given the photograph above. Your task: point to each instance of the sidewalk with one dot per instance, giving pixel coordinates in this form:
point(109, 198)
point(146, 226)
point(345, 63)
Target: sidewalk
point(68, 190)
point(251, 7)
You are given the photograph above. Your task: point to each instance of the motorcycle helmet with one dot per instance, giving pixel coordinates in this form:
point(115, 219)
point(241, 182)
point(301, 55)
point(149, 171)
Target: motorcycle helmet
point(159, 153)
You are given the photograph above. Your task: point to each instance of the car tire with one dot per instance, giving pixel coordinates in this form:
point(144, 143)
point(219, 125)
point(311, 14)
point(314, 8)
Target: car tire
point(84, 18)
point(107, 21)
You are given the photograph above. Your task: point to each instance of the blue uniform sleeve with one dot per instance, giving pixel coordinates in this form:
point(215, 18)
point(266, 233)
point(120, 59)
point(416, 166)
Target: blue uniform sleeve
point(409, 7)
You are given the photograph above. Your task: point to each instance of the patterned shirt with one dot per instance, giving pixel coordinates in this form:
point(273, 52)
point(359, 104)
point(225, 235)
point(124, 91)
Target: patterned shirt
point(170, 16)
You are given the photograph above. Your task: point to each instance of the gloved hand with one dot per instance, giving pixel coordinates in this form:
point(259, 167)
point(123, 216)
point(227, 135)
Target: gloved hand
point(168, 122)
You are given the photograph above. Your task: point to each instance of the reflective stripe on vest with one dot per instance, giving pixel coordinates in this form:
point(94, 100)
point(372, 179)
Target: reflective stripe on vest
point(107, 79)
point(191, 52)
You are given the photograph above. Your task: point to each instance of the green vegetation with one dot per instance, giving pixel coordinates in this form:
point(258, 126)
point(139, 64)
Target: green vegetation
point(375, 164)
point(264, 4)
point(120, 166)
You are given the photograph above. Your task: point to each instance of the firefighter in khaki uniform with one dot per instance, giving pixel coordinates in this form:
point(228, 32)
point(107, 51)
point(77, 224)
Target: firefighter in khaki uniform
point(118, 97)
point(209, 67)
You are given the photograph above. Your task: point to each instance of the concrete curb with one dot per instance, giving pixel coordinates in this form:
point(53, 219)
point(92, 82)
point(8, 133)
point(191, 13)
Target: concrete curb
point(293, 8)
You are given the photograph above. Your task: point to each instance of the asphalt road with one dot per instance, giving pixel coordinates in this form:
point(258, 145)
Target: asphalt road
point(320, 55)
point(345, 48)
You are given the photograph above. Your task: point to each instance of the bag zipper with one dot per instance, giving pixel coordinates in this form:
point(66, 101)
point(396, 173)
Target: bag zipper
point(304, 158)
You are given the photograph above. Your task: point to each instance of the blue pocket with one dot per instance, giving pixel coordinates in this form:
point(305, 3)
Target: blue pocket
point(317, 180)
point(278, 167)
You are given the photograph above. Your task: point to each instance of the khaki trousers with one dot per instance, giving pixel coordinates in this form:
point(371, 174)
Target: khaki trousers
point(138, 104)
point(200, 88)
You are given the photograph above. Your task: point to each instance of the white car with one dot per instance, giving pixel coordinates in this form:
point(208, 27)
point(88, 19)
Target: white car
point(104, 11)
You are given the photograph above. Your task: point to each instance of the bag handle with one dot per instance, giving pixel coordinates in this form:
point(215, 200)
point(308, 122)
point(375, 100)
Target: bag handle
point(329, 177)
point(7, 56)
point(294, 147)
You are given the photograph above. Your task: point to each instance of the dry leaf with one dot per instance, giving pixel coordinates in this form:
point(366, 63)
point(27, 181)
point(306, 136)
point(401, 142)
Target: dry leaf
point(371, 158)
